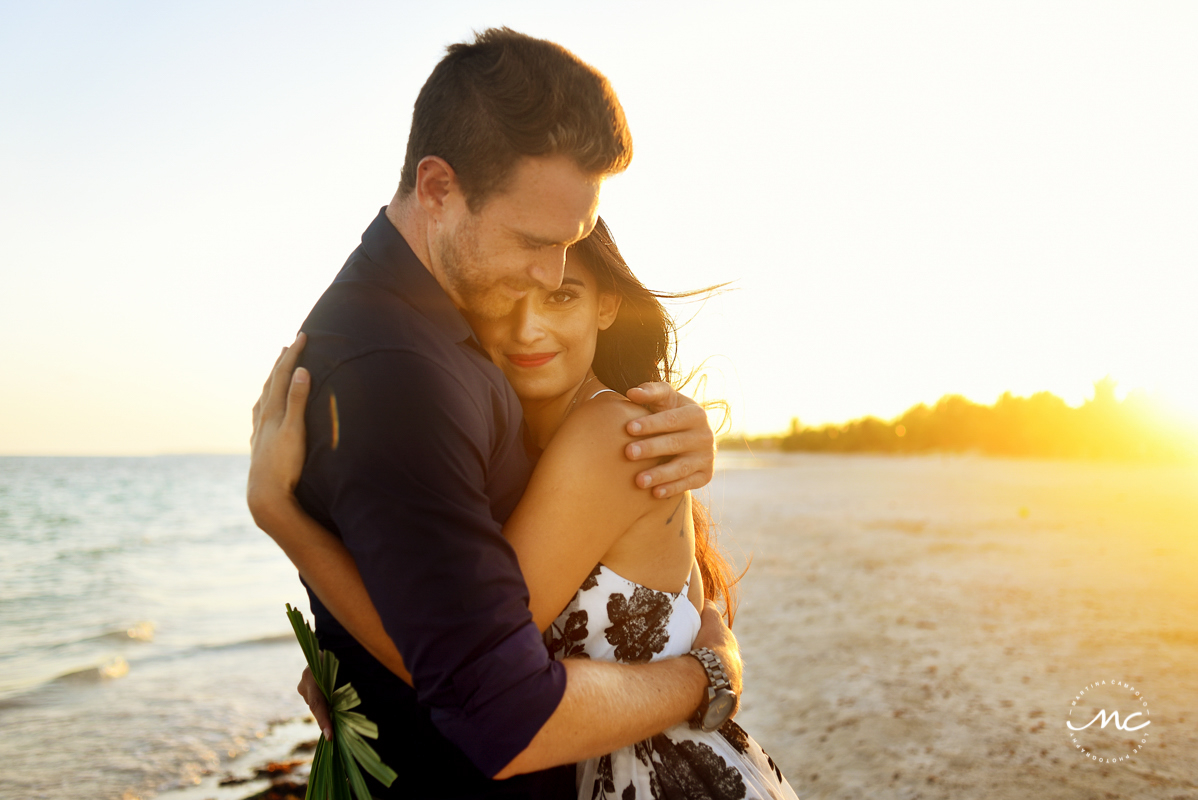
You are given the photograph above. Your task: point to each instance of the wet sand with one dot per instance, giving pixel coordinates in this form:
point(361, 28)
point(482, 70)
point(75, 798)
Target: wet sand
point(918, 627)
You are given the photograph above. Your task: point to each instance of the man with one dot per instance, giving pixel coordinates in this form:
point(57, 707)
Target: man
point(416, 453)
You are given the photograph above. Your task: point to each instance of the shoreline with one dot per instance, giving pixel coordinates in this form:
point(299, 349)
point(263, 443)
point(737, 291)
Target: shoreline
point(275, 770)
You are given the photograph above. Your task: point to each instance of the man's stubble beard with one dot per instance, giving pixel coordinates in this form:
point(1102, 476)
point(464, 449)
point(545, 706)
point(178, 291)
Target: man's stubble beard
point(470, 286)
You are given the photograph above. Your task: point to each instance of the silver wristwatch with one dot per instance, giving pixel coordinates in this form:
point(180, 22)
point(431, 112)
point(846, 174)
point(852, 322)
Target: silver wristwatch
point(719, 701)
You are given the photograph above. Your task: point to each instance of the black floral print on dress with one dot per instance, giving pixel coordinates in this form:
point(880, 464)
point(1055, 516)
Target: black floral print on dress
point(689, 770)
point(736, 736)
point(682, 763)
point(592, 580)
point(569, 640)
point(605, 784)
point(644, 752)
point(773, 766)
point(638, 628)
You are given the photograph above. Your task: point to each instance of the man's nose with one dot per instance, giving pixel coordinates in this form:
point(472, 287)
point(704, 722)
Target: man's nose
point(548, 269)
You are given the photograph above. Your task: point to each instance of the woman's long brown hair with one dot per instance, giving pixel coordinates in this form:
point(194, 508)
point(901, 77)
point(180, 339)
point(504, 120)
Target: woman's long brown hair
point(640, 346)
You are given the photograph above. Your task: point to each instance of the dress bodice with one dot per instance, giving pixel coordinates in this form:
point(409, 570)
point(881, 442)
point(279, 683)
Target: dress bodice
point(612, 618)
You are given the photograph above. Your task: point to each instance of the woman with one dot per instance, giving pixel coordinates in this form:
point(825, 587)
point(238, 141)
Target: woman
point(613, 573)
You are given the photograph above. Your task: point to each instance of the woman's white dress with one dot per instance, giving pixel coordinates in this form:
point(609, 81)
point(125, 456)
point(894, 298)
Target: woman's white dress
point(614, 619)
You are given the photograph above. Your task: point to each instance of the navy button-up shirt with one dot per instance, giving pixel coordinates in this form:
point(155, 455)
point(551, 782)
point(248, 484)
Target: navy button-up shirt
point(416, 457)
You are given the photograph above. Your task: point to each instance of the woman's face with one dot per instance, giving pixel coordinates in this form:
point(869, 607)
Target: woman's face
point(546, 344)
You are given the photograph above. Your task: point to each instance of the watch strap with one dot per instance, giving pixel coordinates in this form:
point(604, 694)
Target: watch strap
point(717, 679)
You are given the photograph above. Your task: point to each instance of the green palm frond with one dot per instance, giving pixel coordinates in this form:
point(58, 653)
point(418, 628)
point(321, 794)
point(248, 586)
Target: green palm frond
point(337, 766)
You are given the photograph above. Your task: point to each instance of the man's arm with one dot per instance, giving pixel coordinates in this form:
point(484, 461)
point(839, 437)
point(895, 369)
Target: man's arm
point(607, 705)
point(610, 708)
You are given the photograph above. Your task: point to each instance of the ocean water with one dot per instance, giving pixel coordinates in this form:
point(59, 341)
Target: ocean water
point(143, 641)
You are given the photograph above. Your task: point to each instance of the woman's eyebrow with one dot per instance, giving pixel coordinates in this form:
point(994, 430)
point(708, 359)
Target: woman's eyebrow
point(573, 282)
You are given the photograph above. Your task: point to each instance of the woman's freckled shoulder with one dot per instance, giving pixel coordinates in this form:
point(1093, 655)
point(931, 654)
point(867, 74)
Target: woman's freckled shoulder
point(604, 416)
point(593, 439)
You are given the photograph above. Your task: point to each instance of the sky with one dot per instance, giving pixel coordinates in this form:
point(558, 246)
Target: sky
point(911, 199)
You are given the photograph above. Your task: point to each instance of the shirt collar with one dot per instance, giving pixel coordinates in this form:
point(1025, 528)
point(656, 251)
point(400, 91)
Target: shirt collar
point(404, 275)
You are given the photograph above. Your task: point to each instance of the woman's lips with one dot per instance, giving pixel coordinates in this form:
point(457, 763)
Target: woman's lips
point(530, 359)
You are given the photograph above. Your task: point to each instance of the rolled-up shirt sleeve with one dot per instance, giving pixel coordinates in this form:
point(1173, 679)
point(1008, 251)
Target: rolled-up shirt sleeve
point(405, 470)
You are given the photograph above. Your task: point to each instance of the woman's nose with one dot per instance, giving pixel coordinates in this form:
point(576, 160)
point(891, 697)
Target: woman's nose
point(528, 323)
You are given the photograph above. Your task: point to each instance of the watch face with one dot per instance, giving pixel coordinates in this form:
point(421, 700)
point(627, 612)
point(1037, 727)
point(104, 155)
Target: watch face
point(719, 710)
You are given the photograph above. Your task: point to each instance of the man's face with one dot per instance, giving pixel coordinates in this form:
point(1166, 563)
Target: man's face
point(489, 260)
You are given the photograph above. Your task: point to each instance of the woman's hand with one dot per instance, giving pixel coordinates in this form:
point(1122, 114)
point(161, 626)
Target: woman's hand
point(310, 691)
point(277, 444)
point(276, 460)
point(715, 635)
point(678, 429)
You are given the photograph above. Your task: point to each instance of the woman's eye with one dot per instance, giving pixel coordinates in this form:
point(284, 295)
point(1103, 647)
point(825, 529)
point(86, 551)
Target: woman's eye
point(561, 297)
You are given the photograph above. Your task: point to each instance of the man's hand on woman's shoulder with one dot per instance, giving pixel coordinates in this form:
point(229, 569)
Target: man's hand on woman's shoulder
point(677, 429)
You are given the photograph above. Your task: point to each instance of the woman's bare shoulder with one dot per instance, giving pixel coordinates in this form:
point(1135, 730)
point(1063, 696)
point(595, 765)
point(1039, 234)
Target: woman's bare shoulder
point(604, 415)
point(594, 435)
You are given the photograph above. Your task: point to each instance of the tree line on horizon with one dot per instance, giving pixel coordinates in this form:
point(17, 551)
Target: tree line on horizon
point(1042, 425)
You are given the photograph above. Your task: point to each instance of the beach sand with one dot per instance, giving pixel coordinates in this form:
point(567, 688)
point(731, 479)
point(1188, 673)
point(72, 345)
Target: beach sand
point(919, 627)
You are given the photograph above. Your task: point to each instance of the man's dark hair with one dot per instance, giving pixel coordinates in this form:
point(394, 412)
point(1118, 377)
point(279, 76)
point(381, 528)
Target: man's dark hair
point(506, 95)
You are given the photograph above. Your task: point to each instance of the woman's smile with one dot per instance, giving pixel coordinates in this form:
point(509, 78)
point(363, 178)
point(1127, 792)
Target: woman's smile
point(530, 360)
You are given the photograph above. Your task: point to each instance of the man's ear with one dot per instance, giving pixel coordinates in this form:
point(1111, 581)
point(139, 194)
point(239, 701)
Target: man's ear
point(609, 308)
point(435, 181)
